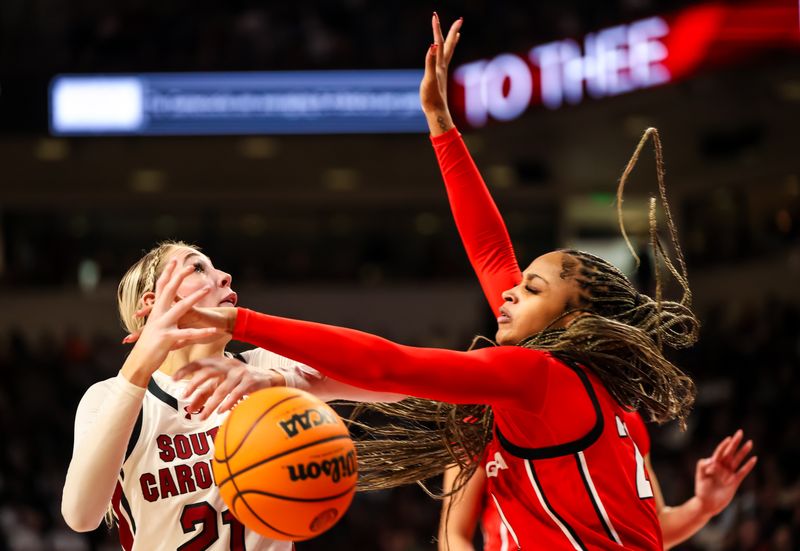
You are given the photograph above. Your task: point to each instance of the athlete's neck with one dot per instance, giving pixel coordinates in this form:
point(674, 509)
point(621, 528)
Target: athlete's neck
point(179, 358)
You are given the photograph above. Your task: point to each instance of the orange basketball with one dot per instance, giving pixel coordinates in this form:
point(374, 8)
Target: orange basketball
point(285, 464)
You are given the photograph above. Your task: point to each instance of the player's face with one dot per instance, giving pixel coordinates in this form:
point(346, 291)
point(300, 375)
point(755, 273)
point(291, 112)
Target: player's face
point(541, 297)
point(204, 274)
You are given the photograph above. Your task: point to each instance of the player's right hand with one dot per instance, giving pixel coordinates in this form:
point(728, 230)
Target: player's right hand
point(219, 383)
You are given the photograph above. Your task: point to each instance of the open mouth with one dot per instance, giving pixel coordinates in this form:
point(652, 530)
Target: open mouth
point(503, 317)
point(230, 300)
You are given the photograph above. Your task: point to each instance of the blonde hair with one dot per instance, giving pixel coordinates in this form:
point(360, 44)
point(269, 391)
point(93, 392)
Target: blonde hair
point(140, 279)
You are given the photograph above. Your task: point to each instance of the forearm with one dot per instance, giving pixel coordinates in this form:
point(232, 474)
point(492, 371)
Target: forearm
point(103, 427)
point(329, 389)
point(367, 361)
point(479, 222)
point(139, 366)
point(680, 523)
point(460, 512)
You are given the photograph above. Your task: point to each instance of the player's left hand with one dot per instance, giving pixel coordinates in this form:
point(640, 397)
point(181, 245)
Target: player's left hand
point(219, 383)
point(718, 477)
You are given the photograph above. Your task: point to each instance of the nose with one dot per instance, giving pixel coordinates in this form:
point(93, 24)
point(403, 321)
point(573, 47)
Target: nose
point(510, 295)
point(224, 279)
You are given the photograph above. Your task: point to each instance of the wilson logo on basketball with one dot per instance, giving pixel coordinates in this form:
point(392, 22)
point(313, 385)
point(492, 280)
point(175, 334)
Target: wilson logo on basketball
point(343, 466)
point(306, 420)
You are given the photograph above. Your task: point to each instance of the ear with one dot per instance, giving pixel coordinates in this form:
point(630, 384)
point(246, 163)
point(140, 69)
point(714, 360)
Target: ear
point(148, 299)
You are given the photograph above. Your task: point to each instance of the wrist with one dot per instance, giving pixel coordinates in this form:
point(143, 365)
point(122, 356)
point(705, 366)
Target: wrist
point(229, 320)
point(439, 121)
point(700, 508)
point(140, 365)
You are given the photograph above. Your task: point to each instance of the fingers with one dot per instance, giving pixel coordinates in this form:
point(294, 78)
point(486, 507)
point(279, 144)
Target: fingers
point(430, 63)
point(199, 371)
point(176, 312)
point(741, 454)
point(132, 338)
point(165, 275)
point(182, 337)
point(746, 468)
point(706, 466)
point(251, 383)
point(720, 448)
point(167, 296)
point(438, 39)
point(733, 445)
point(144, 311)
point(233, 397)
point(211, 404)
point(452, 39)
point(188, 371)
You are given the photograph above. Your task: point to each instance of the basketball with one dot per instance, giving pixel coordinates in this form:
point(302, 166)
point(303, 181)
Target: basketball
point(285, 464)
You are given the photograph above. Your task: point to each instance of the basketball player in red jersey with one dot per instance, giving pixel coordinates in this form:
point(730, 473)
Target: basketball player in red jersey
point(141, 443)
point(486, 240)
point(579, 348)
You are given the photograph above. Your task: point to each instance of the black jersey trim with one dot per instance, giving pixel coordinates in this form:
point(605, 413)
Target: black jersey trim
point(161, 394)
point(566, 525)
point(568, 448)
point(595, 505)
point(137, 430)
point(125, 505)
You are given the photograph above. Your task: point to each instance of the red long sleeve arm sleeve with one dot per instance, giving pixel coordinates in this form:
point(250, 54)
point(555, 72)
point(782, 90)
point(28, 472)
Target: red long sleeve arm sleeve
point(480, 224)
point(505, 376)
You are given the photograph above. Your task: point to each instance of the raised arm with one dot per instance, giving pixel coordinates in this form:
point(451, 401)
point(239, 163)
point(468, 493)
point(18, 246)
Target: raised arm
point(479, 222)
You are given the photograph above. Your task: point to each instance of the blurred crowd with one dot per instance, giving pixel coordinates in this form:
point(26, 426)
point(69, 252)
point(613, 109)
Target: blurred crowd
point(745, 365)
point(147, 35)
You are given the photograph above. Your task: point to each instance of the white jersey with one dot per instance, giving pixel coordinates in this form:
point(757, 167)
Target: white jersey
point(165, 496)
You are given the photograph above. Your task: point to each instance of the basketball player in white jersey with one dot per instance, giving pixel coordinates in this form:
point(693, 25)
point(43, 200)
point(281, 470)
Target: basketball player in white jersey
point(141, 447)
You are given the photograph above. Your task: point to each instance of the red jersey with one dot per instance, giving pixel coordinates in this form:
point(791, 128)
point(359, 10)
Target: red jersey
point(494, 532)
point(496, 536)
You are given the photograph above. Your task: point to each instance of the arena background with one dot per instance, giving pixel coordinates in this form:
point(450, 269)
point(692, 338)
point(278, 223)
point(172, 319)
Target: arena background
point(354, 229)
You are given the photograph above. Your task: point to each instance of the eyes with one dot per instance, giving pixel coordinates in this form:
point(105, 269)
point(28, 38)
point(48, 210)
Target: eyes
point(199, 267)
point(532, 290)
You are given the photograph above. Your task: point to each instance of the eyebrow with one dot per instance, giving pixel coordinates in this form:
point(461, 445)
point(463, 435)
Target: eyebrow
point(188, 256)
point(529, 277)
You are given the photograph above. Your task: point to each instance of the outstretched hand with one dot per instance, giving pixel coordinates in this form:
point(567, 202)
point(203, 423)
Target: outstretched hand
point(219, 383)
point(433, 88)
point(718, 477)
